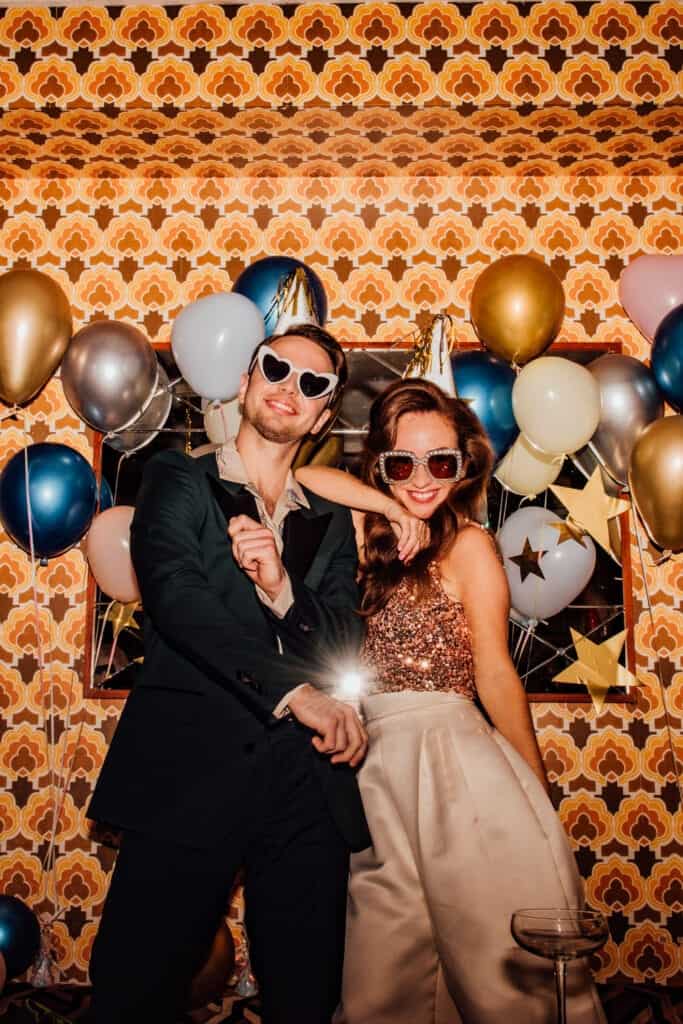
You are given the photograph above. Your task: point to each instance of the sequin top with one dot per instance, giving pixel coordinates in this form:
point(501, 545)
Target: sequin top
point(419, 643)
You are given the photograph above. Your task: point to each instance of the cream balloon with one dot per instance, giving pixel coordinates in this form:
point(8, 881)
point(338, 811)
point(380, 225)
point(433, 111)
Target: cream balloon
point(221, 420)
point(556, 403)
point(527, 471)
point(107, 549)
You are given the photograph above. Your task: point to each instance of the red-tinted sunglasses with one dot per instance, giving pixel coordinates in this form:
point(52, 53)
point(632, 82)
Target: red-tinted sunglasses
point(442, 464)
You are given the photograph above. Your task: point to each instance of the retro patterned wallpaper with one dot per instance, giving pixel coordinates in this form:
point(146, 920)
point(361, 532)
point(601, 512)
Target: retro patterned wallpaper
point(147, 155)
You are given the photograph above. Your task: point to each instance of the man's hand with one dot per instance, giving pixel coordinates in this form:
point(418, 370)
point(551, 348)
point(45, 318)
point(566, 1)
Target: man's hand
point(340, 732)
point(255, 551)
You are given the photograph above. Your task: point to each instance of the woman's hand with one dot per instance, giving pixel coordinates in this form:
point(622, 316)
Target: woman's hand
point(412, 533)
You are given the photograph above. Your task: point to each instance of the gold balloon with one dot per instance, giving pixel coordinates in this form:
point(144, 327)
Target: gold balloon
point(320, 453)
point(35, 327)
point(656, 481)
point(517, 308)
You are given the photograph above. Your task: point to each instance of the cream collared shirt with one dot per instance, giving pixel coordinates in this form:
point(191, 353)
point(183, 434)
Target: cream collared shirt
point(232, 468)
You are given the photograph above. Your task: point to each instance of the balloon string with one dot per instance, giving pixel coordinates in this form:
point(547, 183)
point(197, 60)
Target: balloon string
point(658, 667)
point(98, 646)
point(45, 691)
point(522, 641)
point(111, 656)
point(57, 813)
point(118, 475)
point(51, 859)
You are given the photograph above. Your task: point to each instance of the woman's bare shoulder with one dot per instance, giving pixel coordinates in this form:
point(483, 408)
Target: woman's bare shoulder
point(474, 561)
point(475, 539)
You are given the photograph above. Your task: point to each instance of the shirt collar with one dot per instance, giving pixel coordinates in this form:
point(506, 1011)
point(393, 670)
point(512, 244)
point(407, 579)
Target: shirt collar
point(231, 467)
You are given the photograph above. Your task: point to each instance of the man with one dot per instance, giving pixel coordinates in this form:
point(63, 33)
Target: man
point(226, 755)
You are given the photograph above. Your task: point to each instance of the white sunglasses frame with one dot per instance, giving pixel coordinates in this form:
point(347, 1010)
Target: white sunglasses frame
point(421, 461)
point(331, 378)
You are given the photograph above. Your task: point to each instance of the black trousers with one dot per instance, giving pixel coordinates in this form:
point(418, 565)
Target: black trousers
point(165, 902)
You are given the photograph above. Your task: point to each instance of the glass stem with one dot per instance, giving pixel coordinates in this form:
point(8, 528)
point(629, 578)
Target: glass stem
point(561, 989)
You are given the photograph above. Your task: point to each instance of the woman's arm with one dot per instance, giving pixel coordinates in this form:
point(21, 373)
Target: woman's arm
point(343, 488)
point(346, 489)
point(483, 590)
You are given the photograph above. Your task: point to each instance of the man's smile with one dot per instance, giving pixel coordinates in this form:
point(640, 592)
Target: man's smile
point(281, 406)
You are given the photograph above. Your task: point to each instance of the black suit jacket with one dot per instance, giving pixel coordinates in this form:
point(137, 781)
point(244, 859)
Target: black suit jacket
point(181, 760)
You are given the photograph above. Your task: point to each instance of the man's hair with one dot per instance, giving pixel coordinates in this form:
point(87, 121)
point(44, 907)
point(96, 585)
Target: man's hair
point(324, 340)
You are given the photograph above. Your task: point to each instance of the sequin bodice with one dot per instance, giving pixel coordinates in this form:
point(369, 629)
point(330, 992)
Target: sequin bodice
point(419, 642)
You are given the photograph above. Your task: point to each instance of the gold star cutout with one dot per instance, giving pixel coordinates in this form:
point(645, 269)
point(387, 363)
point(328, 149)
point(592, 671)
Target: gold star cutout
point(122, 616)
point(591, 507)
point(568, 530)
point(528, 561)
point(597, 666)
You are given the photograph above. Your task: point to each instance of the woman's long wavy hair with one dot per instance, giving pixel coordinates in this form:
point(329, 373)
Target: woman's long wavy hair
point(382, 570)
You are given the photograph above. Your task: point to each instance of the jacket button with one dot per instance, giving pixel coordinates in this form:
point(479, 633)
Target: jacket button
point(305, 627)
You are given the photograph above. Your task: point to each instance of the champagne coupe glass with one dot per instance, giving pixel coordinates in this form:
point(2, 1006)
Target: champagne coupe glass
point(560, 935)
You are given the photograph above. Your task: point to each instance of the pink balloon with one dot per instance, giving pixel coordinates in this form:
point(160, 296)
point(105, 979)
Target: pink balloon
point(649, 288)
point(107, 549)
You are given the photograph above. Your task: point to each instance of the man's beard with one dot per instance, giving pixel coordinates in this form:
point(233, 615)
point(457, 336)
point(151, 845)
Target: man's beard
point(269, 432)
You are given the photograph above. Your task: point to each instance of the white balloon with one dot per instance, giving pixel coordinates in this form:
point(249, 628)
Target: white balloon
point(213, 340)
point(556, 403)
point(221, 420)
point(566, 565)
point(527, 471)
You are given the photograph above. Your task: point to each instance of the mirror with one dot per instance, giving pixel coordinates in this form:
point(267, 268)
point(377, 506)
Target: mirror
point(603, 609)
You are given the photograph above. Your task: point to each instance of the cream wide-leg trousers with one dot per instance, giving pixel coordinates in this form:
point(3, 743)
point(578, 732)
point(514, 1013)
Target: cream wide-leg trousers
point(463, 835)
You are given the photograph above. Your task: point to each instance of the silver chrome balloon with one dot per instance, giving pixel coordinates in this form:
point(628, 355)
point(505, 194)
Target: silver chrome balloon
point(586, 460)
point(629, 400)
point(146, 427)
point(109, 373)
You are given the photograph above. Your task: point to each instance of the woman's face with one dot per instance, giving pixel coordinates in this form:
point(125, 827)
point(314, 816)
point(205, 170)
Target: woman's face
point(419, 433)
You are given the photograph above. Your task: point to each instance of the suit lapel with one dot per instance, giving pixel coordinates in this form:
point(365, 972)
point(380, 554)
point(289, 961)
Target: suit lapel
point(233, 499)
point(303, 534)
point(304, 528)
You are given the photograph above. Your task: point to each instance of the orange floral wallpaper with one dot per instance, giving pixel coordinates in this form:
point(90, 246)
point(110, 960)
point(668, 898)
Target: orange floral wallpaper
point(148, 155)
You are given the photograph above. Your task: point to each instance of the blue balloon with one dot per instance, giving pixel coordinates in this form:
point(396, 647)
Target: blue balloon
point(19, 935)
point(260, 282)
point(106, 497)
point(667, 358)
point(63, 493)
point(487, 382)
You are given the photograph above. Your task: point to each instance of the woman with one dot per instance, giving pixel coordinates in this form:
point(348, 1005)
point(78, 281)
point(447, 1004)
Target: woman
point(463, 830)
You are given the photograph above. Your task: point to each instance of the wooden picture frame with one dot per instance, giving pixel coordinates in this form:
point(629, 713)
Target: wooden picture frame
point(371, 368)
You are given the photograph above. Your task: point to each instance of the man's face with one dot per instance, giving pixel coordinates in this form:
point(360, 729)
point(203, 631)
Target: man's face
point(279, 412)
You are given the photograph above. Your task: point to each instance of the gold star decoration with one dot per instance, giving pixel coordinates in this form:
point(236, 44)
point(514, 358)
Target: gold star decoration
point(591, 507)
point(568, 530)
point(528, 561)
point(122, 616)
point(597, 666)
